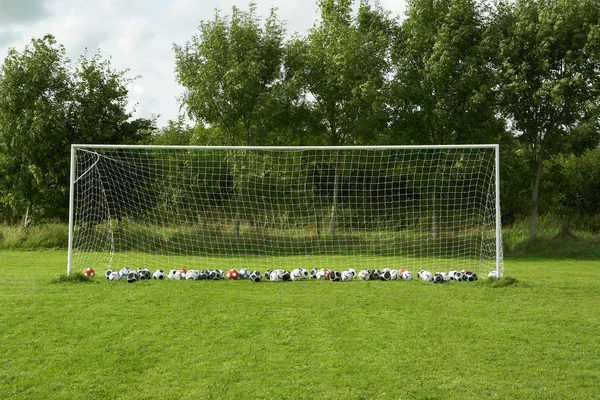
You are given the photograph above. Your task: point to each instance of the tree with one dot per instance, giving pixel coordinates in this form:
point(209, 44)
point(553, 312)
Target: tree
point(46, 104)
point(550, 82)
point(342, 66)
point(229, 71)
point(442, 90)
point(34, 87)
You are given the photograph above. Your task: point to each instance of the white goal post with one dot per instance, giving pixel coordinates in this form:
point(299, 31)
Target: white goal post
point(219, 207)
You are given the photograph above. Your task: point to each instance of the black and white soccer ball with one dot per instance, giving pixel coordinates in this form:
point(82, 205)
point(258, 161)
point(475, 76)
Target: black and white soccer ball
point(420, 274)
point(174, 274)
point(124, 272)
point(287, 276)
point(144, 274)
point(438, 278)
point(364, 275)
point(347, 276)
point(107, 273)
point(304, 272)
point(268, 274)
point(244, 273)
point(471, 276)
point(202, 275)
point(159, 274)
point(132, 277)
point(313, 273)
point(385, 275)
point(407, 276)
point(353, 272)
point(335, 276)
point(255, 276)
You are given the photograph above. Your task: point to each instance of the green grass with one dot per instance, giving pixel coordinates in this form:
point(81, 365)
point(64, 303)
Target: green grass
point(534, 335)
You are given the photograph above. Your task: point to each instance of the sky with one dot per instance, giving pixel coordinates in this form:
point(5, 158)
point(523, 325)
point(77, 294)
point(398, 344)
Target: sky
point(138, 35)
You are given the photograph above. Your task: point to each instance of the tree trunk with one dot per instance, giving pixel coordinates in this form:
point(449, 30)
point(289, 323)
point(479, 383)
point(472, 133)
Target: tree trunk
point(535, 187)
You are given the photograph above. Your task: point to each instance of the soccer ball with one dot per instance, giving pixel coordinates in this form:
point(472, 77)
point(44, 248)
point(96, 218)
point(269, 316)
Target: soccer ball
point(255, 276)
point(89, 272)
point(493, 274)
point(375, 273)
point(322, 274)
point(233, 274)
point(182, 271)
point(394, 275)
point(107, 273)
point(213, 274)
point(426, 276)
point(192, 275)
point(202, 275)
point(132, 277)
point(471, 276)
point(385, 275)
point(335, 276)
point(268, 274)
point(174, 274)
point(286, 276)
point(296, 275)
point(407, 276)
point(347, 276)
point(420, 274)
point(313, 273)
point(276, 276)
point(159, 274)
point(244, 273)
point(114, 276)
point(364, 275)
point(353, 272)
point(438, 278)
point(144, 274)
point(125, 271)
point(304, 272)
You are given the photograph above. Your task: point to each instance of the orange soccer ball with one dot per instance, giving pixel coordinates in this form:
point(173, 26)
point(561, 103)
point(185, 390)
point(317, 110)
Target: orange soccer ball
point(233, 274)
point(89, 272)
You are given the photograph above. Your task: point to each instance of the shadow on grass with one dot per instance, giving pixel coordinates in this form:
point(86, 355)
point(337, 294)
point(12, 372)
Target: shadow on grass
point(75, 277)
point(504, 282)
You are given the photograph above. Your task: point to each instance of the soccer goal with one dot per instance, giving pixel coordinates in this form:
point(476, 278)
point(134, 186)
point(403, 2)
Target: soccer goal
point(166, 207)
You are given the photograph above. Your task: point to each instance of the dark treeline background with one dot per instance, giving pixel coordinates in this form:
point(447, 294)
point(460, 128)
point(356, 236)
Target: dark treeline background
point(524, 73)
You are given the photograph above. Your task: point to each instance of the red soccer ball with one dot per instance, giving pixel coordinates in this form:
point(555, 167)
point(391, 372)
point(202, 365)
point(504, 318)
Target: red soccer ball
point(233, 274)
point(89, 272)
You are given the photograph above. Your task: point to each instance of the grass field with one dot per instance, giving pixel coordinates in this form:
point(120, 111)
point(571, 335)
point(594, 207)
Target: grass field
point(534, 336)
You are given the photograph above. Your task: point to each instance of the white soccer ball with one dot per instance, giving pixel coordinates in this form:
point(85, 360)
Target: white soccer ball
point(426, 276)
point(114, 276)
point(244, 273)
point(192, 275)
point(322, 274)
point(493, 274)
point(364, 275)
point(313, 273)
point(353, 272)
point(394, 275)
point(107, 273)
point(407, 276)
point(174, 274)
point(276, 276)
point(159, 274)
point(296, 275)
point(347, 276)
point(445, 276)
point(124, 271)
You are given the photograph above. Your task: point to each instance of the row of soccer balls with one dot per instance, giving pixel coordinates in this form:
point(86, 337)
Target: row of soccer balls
point(284, 275)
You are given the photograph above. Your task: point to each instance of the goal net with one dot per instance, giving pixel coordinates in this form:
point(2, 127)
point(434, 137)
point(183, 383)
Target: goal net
point(166, 207)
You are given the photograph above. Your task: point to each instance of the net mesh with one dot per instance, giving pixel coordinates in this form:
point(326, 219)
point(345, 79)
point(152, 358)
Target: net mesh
point(166, 208)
